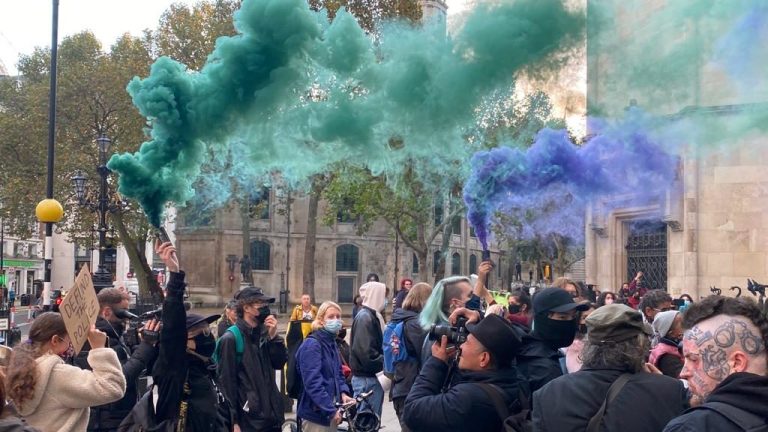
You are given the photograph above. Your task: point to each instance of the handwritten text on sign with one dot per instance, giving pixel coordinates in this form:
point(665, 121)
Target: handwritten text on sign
point(80, 308)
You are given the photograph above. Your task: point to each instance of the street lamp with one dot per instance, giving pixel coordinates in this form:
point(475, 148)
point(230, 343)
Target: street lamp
point(102, 205)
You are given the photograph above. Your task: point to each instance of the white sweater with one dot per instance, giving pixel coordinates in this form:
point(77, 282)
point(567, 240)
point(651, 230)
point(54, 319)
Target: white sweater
point(64, 393)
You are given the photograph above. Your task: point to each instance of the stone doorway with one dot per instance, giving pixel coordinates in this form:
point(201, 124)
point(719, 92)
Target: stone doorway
point(647, 252)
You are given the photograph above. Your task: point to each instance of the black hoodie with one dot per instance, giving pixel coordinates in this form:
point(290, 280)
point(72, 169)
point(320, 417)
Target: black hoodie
point(746, 392)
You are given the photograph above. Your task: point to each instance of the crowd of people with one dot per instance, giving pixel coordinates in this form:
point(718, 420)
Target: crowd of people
point(451, 357)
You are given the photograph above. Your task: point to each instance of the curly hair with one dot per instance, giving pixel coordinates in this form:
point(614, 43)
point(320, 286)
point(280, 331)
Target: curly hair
point(627, 356)
point(604, 295)
point(22, 373)
point(720, 305)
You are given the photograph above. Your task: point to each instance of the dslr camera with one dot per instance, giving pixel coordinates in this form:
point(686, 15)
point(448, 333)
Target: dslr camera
point(456, 335)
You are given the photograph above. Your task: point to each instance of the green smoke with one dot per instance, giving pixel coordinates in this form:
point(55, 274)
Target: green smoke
point(299, 94)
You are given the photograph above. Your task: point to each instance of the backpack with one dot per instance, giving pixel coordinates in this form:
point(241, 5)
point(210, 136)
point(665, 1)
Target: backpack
point(239, 345)
point(296, 388)
point(395, 346)
point(746, 421)
point(520, 421)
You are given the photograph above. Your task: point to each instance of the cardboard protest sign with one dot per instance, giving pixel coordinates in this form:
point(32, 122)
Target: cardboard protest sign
point(80, 308)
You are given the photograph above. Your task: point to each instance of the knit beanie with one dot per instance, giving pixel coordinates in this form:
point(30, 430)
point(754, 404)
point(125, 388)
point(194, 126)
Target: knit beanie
point(662, 322)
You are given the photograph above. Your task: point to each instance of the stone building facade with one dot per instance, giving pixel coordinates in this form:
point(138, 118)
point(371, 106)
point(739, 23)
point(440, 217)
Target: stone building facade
point(211, 253)
point(710, 228)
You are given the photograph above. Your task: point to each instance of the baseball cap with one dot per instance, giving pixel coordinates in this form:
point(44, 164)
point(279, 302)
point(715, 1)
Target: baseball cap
point(498, 336)
point(253, 293)
point(555, 300)
point(194, 319)
point(615, 323)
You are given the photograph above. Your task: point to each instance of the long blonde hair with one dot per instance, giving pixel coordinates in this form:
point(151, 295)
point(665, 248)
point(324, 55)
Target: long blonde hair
point(319, 321)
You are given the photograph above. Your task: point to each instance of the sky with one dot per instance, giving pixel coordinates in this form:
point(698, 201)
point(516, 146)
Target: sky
point(26, 24)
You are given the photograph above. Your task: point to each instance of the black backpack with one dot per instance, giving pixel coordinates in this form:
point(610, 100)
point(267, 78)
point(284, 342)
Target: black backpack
point(520, 421)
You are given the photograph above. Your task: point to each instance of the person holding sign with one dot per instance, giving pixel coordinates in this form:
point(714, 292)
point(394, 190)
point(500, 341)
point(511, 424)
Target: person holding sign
point(52, 395)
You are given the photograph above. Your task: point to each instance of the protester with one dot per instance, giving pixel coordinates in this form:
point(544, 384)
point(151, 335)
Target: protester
point(9, 418)
point(555, 323)
point(447, 296)
point(367, 353)
point(228, 318)
point(11, 296)
point(372, 277)
point(654, 302)
point(357, 304)
point(725, 365)
point(52, 395)
point(571, 287)
point(686, 297)
point(247, 377)
point(635, 291)
point(305, 311)
point(686, 301)
point(112, 320)
point(606, 298)
point(613, 354)
point(486, 372)
point(186, 396)
point(405, 285)
point(668, 333)
point(319, 364)
point(573, 352)
point(519, 308)
point(413, 337)
point(344, 352)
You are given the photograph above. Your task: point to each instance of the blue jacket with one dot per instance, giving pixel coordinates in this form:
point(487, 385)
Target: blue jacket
point(319, 364)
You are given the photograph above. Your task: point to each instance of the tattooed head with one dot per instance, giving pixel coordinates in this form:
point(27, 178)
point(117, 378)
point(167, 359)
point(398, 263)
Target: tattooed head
point(724, 336)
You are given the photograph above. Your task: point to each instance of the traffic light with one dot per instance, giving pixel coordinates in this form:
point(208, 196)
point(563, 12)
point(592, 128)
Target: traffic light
point(2, 280)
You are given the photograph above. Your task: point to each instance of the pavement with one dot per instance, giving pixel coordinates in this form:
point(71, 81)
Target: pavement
point(22, 317)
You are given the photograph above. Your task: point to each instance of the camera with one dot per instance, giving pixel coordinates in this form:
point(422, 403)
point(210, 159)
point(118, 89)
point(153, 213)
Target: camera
point(456, 335)
point(131, 335)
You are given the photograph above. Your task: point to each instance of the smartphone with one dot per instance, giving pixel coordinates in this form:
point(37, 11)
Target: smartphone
point(162, 235)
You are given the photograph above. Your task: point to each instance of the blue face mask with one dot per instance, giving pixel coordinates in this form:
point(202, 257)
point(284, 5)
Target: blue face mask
point(332, 326)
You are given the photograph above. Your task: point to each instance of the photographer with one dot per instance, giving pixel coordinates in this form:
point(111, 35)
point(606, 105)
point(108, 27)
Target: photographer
point(246, 368)
point(487, 376)
point(185, 388)
point(112, 320)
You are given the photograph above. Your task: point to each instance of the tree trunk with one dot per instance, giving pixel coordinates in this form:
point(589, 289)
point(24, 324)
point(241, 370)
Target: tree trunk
point(422, 255)
point(310, 244)
point(446, 242)
point(149, 288)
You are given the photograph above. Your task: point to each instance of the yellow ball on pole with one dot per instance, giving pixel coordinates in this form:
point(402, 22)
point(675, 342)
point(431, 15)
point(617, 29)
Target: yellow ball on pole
point(49, 210)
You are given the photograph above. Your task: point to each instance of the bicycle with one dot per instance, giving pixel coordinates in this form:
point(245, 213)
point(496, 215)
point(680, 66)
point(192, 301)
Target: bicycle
point(357, 421)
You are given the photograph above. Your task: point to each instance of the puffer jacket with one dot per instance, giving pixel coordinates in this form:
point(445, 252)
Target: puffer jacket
point(64, 393)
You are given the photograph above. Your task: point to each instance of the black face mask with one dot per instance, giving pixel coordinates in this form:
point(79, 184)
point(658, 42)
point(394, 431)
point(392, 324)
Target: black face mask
point(514, 308)
point(558, 334)
point(264, 312)
point(205, 345)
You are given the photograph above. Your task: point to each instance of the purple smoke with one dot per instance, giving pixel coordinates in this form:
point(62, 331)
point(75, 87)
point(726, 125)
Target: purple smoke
point(546, 188)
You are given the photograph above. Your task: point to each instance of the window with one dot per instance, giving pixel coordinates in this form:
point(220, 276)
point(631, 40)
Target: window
point(347, 258)
point(473, 264)
point(415, 264)
point(18, 249)
point(435, 262)
point(456, 225)
point(260, 205)
point(456, 264)
point(32, 251)
point(438, 214)
point(260, 253)
point(472, 231)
